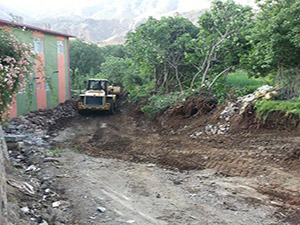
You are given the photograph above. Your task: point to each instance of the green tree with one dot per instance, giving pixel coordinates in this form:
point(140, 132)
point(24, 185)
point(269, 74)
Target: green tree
point(160, 46)
point(275, 39)
point(86, 57)
point(275, 44)
point(221, 41)
point(115, 51)
point(114, 69)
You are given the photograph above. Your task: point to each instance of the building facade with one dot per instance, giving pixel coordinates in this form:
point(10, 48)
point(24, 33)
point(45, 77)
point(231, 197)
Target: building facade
point(50, 84)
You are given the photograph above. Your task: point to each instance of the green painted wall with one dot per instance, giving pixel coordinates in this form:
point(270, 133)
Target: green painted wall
point(25, 102)
point(51, 69)
point(67, 71)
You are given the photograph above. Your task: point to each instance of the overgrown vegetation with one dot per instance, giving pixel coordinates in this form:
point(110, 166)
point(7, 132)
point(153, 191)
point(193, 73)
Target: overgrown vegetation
point(231, 52)
point(265, 107)
point(242, 84)
point(159, 103)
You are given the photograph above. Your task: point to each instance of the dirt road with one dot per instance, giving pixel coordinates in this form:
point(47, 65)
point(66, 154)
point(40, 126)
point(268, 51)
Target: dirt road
point(143, 176)
point(145, 194)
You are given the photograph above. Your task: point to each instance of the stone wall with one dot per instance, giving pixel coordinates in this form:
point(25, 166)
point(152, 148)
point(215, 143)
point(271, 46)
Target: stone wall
point(3, 158)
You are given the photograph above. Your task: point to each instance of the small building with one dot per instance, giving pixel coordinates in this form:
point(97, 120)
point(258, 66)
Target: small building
point(51, 80)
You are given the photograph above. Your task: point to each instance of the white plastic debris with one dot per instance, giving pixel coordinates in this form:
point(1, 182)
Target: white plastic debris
point(31, 168)
point(56, 204)
point(25, 210)
point(103, 125)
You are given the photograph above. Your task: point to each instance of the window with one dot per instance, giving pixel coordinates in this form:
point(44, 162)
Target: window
point(38, 45)
point(60, 47)
point(38, 86)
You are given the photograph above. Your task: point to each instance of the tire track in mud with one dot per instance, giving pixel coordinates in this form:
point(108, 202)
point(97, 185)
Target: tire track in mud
point(124, 137)
point(226, 164)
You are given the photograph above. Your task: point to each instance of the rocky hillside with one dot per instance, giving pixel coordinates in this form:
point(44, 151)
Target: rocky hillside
point(107, 23)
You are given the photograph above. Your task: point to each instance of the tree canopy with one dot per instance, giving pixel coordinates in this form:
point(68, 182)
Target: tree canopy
point(172, 54)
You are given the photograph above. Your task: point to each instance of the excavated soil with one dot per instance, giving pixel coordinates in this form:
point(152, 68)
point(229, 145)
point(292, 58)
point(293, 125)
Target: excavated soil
point(265, 151)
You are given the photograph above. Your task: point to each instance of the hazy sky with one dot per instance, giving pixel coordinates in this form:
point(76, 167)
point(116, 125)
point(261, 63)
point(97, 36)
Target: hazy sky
point(33, 5)
point(41, 6)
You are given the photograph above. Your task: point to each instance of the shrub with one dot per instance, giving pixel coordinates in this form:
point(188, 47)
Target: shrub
point(265, 107)
point(159, 103)
point(15, 68)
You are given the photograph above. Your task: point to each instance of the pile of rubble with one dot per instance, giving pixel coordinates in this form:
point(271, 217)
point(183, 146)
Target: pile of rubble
point(37, 182)
point(42, 119)
point(30, 153)
point(265, 92)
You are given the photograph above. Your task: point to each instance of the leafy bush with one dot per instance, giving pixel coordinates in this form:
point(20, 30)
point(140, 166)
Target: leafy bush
point(220, 92)
point(15, 68)
point(239, 92)
point(265, 107)
point(159, 103)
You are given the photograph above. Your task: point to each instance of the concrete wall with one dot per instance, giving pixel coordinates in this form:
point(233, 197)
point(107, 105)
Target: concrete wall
point(3, 158)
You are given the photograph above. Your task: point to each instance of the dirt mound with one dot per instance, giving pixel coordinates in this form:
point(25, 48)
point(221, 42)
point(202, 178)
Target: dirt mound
point(194, 105)
point(196, 110)
point(201, 114)
point(250, 122)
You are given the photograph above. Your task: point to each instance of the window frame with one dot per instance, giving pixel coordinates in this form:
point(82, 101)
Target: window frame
point(38, 45)
point(60, 47)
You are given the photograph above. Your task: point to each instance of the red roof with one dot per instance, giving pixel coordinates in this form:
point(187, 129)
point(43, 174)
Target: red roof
point(8, 23)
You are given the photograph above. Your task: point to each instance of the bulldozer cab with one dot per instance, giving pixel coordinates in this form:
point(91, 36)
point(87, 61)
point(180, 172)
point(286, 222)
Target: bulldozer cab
point(97, 85)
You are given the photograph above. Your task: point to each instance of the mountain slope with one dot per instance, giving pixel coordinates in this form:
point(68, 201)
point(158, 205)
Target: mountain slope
point(107, 22)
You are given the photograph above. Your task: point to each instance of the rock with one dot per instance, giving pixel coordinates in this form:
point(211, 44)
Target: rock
point(14, 137)
point(198, 133)
point(44, 186)
point(13, 145)
point(151, 165)
point(177, 182)
point(50, 160)
point(44, 222)
point(101, 209)
point(46, 137)
point(25, 210)
point(277, 204)
point(39, 219)
point(20, 127)
point(47, 191)
point(31, 168)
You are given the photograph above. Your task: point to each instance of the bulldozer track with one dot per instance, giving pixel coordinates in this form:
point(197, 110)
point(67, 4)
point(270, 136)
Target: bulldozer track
point(244, 156)
point(227, 163)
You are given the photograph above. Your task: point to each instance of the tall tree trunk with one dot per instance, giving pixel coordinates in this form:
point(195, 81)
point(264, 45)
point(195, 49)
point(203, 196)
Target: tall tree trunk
point(178, 80)
point(279, 71)
point(217, 77)
point(156, 78)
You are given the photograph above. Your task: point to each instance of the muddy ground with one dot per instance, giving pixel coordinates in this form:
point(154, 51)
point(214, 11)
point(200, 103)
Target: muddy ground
point(159, 172)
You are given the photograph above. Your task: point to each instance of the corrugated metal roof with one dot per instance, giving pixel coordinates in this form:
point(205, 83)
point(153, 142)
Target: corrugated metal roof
point(9, 23)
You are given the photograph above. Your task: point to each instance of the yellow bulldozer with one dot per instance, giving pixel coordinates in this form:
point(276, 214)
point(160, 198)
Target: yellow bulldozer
point(99, 96)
